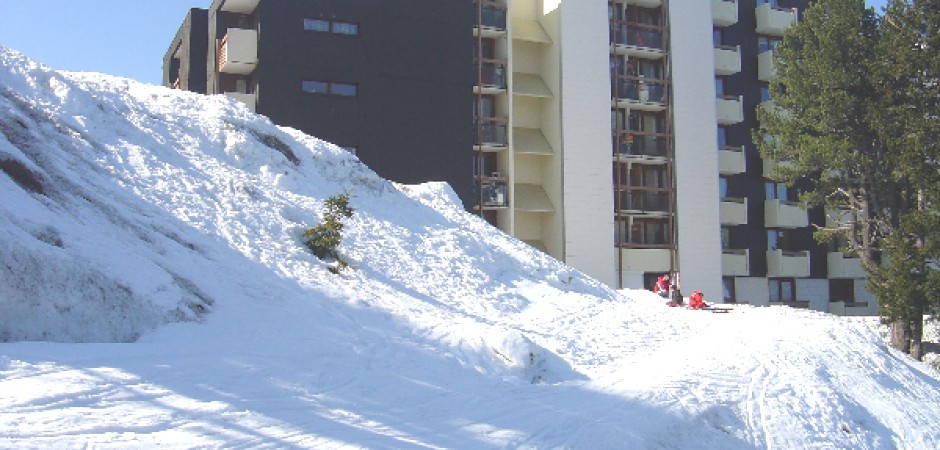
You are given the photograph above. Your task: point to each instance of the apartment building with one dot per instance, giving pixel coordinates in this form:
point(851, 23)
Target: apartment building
point(615, 136)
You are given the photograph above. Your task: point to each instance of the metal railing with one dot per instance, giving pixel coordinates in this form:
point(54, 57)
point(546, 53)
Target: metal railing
point(637, 37)
point(492, 74)
point(490, 132)
point(632, 145)
point(639, 90)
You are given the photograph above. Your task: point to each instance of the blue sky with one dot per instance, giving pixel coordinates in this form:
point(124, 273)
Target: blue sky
point(120, 37)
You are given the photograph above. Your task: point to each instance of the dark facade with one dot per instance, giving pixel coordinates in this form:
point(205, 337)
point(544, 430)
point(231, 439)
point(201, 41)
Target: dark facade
point(392, 84)
point(752, 185)
point(185, 61)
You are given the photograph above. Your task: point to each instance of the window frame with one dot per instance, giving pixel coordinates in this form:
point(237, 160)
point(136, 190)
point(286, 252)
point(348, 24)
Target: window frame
point(331, 26)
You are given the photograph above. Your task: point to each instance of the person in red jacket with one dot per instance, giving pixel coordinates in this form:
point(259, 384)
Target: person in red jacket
point(696, 300)
point(662, 286)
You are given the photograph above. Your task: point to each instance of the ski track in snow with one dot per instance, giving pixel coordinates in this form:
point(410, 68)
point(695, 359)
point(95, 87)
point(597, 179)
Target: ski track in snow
point(181, 216)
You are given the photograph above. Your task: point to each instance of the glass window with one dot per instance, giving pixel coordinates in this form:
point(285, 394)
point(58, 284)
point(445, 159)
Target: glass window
point(344, 89)
point(765, 43)
point(722, 137)
point(764, 92)
point(720, 86)
point(717, 37)
point(776, 191)
point(723, 187)
point(782, 290)
point(725, 238)
point(316, 25)
point(316, 87)
point(841, 290)
point(727, 290)
point(349, 29)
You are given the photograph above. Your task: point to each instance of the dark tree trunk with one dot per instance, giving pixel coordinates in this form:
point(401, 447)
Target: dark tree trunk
point(901, 336)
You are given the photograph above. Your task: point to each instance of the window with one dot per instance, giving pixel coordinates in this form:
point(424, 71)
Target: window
point(485, 106)
point(782, 289)
point(643, 231)
point(842, 290)
point(330, 88)
point(717, 37)
point(780, 240)
point(725, 238)
point(727, 290)
point(764, 92)
point(317, 25)
point(776, 191)
point(770, 2)
point(349, 29)
point(720, 86)
point(765, 43)
point(723, 183)
point(722, 137)
point(328, 26)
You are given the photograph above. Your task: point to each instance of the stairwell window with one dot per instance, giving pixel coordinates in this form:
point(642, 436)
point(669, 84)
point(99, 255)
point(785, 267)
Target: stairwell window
point(330, 88)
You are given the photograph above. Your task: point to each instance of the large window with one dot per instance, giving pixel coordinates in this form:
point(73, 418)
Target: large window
point(782, 289)
point(641, 231)
point(780, 240)
point(765, 43)
point(727, 290)
point(330, 88)
point(777, 191)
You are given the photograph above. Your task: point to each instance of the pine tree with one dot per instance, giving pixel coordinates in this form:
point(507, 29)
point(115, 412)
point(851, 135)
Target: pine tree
point(855, 119)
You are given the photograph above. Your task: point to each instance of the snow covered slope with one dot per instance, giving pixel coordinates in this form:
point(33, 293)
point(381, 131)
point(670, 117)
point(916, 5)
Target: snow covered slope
point(151, 241)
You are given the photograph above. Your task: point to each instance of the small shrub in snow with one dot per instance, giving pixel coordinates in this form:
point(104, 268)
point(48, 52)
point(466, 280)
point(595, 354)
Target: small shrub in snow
point(324, 238)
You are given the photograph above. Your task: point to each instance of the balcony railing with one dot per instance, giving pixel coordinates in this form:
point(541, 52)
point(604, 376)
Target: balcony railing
point(633, 36)
point(645, 201)
point(772, 20)
point(787, 264)
point(238, 51)
point(727, 60)
point(639, 90)
point(730, 109)
point(490, 132)
point(724, 12)
point(634, 145)
point(493, 18)
point(731, 160)
point(735, 262)
point(492, 74)
point(765, 66)
point(494, 193)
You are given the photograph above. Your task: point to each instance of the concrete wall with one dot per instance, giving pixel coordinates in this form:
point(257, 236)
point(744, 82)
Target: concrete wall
point(190, 46)
point(586, 140)
point(696, 168)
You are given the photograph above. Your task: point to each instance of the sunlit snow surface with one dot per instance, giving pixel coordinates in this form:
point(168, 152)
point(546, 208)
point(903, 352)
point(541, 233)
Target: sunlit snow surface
point(154, 292)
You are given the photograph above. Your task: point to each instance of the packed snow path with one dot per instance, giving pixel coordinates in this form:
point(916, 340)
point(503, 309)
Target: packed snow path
point(155, 235)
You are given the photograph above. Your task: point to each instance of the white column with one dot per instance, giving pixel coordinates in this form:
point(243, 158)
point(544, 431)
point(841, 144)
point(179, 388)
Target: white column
point(586, 138)
point(696, 166)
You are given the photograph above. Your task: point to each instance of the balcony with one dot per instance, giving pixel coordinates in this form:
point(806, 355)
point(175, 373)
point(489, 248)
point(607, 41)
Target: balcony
point(735, 262)
point(730, 110)
point(636, 41)
point(491, 76)
point(640, 94)
point(529, 85)
point(530, 141)
point(787, 264)
point(247, 99)
point(239, 6)
point(765, 66)
point(238, 51)
point(527, 30)
point(731, 160)
point(532, 198)
point(642, 146)
point(852, 309)
point(724, 12)
point(839, 218)
point(645, 259)
point(769, 165)
point(733, 211)
point(494, 194)
point(643, 202)
point(645, 3)
point(727, 60)
point(784, 214)
point(490, 134)
point(772, 20)
point(840, 266)
point(492, 22)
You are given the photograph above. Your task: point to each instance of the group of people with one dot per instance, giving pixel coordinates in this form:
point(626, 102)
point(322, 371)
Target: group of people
point(670, 290)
